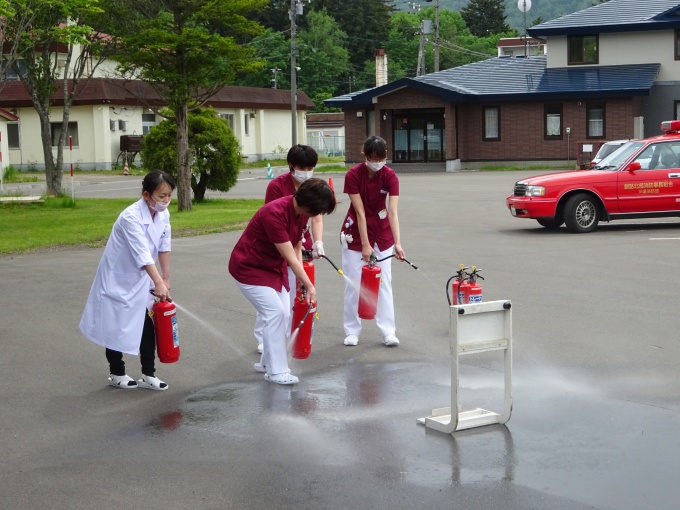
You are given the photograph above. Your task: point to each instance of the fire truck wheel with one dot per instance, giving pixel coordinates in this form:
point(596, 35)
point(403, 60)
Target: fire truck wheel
point(550, 223)
point(581, 213)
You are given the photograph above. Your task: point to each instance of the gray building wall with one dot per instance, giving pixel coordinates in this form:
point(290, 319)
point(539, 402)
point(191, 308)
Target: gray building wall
point(660, 106)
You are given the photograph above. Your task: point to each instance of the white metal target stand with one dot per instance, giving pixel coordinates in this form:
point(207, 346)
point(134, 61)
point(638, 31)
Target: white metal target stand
point(475, 328)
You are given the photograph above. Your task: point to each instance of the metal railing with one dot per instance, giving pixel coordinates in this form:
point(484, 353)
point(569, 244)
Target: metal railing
point(329, 146)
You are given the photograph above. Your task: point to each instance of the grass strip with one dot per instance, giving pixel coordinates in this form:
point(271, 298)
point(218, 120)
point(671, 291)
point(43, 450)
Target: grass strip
point(59, 223)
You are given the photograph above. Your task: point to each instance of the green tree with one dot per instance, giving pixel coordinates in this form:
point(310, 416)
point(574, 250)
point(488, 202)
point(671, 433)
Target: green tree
point(366, 23)
point(58, 51)
point(485, 17)
point(273, 50)
point(15, 18)
point(323, 59)
point(213, 146)
point(187, 51)
point(457, 45)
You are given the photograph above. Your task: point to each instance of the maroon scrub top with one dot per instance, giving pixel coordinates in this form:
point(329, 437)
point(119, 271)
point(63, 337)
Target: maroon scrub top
point(373, 193)
point(282, 186)
point(255, 260)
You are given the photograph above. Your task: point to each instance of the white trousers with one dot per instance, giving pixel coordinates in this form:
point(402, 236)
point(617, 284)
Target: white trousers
point(273, 309)
point(259, 324)
point(384, 317)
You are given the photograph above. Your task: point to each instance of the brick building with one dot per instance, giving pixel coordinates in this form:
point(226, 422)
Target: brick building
point(610, 72)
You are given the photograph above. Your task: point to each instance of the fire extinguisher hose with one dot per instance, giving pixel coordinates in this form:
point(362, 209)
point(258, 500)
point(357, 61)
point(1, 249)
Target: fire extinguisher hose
point(446, 289)
point(308, 254)
point(390, 256)
point(331, 263)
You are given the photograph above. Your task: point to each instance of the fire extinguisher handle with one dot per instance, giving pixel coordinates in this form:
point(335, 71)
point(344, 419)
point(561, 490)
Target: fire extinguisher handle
point(152, 292)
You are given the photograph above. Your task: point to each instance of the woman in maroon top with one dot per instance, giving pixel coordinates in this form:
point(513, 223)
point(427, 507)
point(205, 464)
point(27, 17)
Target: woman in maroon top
point(271, 242)
point(301, 160)
point(371, 227)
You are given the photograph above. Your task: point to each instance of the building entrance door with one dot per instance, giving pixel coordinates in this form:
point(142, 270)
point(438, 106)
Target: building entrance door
point(418, 135)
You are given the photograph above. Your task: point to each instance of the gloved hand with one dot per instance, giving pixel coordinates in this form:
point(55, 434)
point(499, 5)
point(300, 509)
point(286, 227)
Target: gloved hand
point(317, 250)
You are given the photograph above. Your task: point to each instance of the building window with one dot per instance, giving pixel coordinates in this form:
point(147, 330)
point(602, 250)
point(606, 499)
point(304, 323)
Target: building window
point(13, 136)
point(677, 110)
point(246, 124)
point(12, 74)
point(553, 121)
point(229, 117)
point(583, 49)
point(72, 132)
point(148, 121)
point(595, 119)
point(491, 123)
point(677, 46)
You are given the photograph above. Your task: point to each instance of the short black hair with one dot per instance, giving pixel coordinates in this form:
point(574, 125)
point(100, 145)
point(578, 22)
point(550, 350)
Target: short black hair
point(302, 156)
point(316, 196)
point(154, 179)
point(375, 147)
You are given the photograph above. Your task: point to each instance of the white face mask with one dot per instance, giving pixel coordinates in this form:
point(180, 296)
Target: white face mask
point(159, 206)
point(302, 176)
point(375, 166)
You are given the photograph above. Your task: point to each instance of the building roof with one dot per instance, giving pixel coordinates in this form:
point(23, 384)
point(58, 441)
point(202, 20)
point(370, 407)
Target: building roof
point(517, 79)
point(319, 120)
point(614, 16)
point(98, 91)
point(4, 114)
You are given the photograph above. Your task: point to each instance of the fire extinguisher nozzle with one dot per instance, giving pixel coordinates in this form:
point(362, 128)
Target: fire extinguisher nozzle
point(340, 272)
point(410, 264)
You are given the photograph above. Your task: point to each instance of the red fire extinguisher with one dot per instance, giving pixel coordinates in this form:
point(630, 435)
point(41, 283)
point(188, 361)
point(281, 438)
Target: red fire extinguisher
point(458, 287)
point(303, 315)
point(165, 325)
point(473, 293)
point(368, 292)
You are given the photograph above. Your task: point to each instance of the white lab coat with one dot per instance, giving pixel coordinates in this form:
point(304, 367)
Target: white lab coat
point(114, 313)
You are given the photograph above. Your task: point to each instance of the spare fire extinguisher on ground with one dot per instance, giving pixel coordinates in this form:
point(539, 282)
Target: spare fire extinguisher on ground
point(165, 326)
point(465, 288)
point(473, 293)
point(303, 315)
point(458, 286)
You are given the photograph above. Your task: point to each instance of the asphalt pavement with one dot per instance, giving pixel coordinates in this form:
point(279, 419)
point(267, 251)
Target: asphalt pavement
point(595, 381)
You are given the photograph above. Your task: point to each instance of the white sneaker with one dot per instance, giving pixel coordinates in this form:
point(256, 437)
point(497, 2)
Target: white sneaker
point(351, 340)
point(390, 340)
point(284, 378)
point(260, 348)
point(259, 367)
point(152, 383)
point(122, 381)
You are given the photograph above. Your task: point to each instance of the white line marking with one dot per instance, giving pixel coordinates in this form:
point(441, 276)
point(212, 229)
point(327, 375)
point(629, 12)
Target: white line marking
point(81, 191)
point(664, 238)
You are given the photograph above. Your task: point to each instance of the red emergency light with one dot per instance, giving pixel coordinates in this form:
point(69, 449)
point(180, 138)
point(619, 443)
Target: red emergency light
point(670, 126)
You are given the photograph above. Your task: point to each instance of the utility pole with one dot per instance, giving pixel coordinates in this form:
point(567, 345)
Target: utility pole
point(436, 34)
point(425, 28)
point(295, 9)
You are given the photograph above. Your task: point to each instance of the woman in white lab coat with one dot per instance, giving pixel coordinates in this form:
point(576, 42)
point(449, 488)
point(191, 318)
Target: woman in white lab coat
point(116, 314)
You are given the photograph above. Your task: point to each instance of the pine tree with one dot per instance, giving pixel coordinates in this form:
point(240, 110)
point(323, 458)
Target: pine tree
point(485, 17)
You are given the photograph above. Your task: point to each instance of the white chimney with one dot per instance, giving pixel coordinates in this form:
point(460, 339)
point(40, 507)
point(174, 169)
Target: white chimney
point(380, 67)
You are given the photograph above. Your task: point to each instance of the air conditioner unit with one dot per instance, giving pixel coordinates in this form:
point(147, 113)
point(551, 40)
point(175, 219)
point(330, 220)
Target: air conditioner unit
point(123, 125)
point(112, 124)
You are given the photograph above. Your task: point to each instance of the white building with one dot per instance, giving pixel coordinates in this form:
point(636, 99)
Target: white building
point(104, 111)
